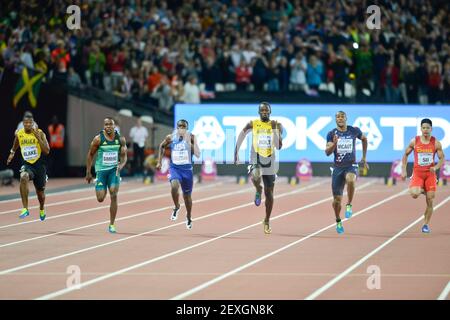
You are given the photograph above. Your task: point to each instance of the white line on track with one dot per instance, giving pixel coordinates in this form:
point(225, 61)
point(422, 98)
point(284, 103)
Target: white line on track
point(333, 281)
point(159, 196)
point(444, 292)
point(173, 253)
point(3, 272)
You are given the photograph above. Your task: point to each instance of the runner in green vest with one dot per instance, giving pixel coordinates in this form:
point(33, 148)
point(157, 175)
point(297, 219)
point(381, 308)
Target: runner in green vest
point(111, 151)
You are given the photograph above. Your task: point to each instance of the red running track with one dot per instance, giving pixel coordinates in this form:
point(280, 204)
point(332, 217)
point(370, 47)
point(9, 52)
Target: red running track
point(226, 255)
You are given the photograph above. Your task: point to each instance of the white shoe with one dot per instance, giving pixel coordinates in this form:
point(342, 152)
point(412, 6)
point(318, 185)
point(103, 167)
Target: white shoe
point(189, 224)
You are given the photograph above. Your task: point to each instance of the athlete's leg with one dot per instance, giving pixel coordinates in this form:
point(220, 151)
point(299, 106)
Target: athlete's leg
point(24, 179)
point(174, 187)
point(41, 197)
point(429, 211)
point(350, 179)
point(256, 175)
point(415, 192)
point(100, 194)
point(268, 193)
point(337, 206)
point(188, 203)
point(113, 191)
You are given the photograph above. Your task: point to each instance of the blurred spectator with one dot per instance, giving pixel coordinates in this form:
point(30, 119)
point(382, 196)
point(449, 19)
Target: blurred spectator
point(298, 72)
point(389, 83)
point(57, 156)
point(138, 135)
point(243, 75)
point(164, 93)
point(434, 82)
point(314, 73)
point(97, 62)
point(73, 79)
point(191, 91)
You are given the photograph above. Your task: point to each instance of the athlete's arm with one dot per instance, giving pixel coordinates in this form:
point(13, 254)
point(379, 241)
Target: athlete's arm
point(167, 140)
point(240, 139)
point(42, 139)
point(364, 147)
point(441, 156)
point(408, 151)
point(278, 130)
point(123, 154)
point(90, 157)
point(196, 149)
point(331, 145)
point(12, 152)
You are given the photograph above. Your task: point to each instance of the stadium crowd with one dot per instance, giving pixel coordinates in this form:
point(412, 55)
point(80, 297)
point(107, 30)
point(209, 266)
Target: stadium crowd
point(186, 50)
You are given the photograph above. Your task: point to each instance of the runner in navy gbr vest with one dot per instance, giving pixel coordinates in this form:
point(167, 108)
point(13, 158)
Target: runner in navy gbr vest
point(182, 145)
point(341, 142)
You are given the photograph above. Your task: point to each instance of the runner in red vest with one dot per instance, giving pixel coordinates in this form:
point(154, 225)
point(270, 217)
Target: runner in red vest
point(424, 179)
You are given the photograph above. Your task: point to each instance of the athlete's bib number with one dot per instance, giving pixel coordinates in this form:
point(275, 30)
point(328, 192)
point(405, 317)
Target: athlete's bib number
point(265, 141)
point(425, 159)
point(180, 157)
point(345, 146)
point(110, 158)
point(29, 153)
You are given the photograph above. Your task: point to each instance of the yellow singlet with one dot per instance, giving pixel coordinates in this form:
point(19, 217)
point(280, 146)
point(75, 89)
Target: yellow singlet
point(262, 137)
point(29, 146)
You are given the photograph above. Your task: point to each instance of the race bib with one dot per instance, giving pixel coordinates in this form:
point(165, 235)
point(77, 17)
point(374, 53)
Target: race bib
point(345, 146)
point(110, 158)
point(180, 157)
point(425, 159)
point(264, 141)
point(29, 153)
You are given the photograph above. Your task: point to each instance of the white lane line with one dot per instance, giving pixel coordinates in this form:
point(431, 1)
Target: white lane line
point(3, 272)
point(333, 281)
point(173, 253)
point(51, 204)
point(99, 208)
point(251, 263)
point(444, 292)
point(118, 219)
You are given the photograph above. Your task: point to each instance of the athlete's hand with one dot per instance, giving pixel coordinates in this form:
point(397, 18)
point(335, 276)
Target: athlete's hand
point(10, 157)
point(35, 132)
point(364, 164)
point(433, 169)
point(89, 177)
point(335, 139)
point(158, 165)
point(403, 174)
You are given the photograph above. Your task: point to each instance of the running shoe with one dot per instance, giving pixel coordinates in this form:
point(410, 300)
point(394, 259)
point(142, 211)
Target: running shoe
point(339, 227)
point(425, 229)
point(257, 198)
point(42, 215)
point(174, 215)
point(267, 228)
point(189, 224)
point(24, 213)
point(112, 228)
point(348, 211)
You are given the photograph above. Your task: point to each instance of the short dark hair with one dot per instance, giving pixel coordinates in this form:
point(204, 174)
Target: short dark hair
point(110, 118)
point(340, 111)
point(185, 121)
point(426, 120)
point(28, 116)
point(264, 103)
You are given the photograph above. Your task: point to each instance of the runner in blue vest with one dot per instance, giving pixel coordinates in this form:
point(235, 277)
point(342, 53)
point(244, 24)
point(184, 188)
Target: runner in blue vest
point(341, 142)
point(182, 145)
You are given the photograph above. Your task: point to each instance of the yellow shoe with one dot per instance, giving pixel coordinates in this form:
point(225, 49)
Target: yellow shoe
point(267, 229)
